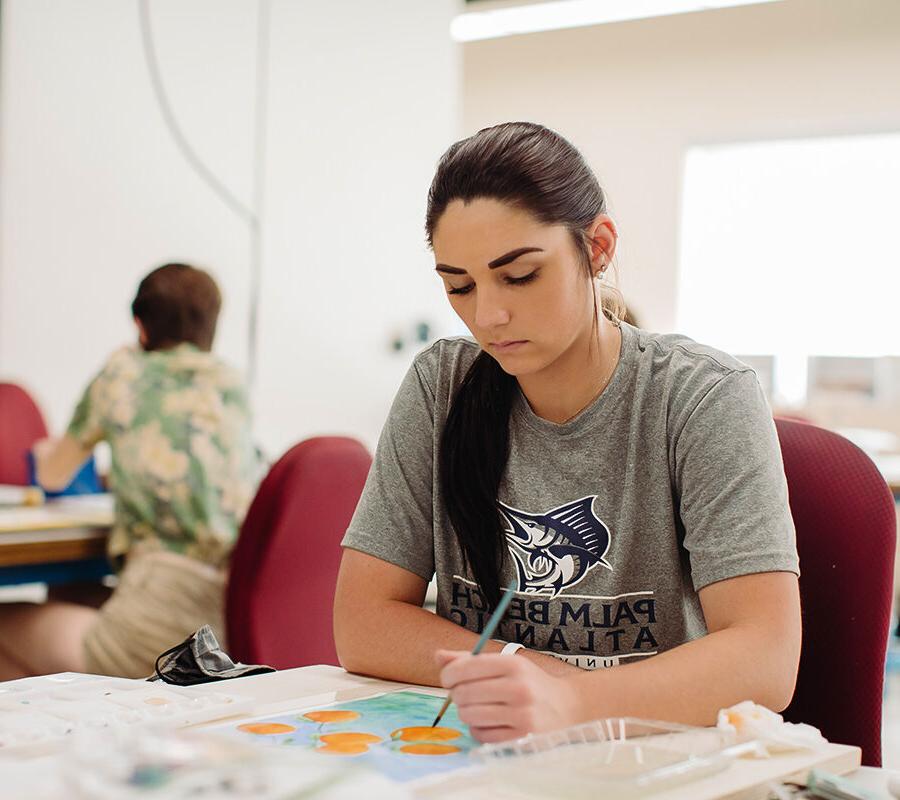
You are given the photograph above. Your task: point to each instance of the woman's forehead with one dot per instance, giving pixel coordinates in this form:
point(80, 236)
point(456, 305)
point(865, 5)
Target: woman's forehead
point(483, 229)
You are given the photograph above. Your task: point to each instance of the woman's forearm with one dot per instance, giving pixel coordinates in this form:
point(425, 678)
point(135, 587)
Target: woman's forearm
point(690, 683)
point(398, 641)
point(57, 462)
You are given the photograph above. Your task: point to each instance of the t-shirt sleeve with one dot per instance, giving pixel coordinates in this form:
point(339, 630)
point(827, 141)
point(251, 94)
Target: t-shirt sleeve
point(87, 425)
point(394, 517)
point(730, 480)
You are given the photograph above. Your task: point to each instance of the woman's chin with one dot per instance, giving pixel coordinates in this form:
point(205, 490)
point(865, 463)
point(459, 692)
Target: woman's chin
point(517, 365)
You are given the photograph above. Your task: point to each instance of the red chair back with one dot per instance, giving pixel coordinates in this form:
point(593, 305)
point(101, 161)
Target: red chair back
point(846, 530)
point(285, 564)
point(21, 425)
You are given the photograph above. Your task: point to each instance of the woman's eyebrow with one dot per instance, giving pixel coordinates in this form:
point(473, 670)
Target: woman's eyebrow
point(512, 255)
point(502, 261)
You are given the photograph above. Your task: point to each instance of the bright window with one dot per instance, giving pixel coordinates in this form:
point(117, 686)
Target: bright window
point(792, 248)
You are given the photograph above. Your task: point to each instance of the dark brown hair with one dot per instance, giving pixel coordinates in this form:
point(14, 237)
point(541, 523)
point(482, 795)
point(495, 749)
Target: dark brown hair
point(533, 168)
point(177, 303)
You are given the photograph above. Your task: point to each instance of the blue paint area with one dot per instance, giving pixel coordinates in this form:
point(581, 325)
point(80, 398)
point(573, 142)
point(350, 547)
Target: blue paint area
point(381, 716)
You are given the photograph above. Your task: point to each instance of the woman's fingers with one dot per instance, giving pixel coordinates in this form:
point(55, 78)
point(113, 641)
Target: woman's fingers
point(444, 657)
point(503, 698)
point(496, 734)
point(491, 690)
point(466, 668)
point(493, 715)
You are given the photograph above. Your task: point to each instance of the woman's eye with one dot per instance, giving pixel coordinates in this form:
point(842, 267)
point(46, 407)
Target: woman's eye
point(508, 280)
point(524, 279)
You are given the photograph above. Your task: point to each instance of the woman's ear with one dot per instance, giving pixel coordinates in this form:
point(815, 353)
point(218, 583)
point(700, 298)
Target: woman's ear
point(603, 237)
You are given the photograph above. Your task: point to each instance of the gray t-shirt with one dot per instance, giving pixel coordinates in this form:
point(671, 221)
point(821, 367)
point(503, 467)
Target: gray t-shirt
point(670, 481)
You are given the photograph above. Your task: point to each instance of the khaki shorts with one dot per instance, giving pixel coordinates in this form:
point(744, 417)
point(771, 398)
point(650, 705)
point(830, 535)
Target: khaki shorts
point(161, 599)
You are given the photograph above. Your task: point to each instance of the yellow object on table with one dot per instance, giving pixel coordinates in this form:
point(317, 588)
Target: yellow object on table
point(21, 495)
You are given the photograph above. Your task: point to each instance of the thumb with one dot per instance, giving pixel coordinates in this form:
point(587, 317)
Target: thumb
point(444, 657)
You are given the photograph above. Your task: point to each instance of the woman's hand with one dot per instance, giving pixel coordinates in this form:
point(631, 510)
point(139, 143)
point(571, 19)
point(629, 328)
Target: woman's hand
point(504, 697)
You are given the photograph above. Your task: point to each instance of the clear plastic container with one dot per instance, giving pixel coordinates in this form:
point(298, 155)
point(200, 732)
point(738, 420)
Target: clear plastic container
point(620, 757)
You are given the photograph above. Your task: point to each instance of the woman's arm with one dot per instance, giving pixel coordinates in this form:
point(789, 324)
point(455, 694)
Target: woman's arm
point(57, 461)
point(381, 629)
point(752, 652)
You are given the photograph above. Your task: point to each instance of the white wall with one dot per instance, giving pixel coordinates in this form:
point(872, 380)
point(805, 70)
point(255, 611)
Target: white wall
point(633, 96)
point(362, 101)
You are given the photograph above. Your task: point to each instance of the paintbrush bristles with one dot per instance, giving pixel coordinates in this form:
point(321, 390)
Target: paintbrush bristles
point(444, 707)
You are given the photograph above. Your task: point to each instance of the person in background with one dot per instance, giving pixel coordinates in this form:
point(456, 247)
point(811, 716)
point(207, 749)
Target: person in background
point(183, 472)
point(627, 485)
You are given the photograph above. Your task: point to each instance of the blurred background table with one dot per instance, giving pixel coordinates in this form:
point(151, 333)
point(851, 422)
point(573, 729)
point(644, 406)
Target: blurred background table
point(61, 541)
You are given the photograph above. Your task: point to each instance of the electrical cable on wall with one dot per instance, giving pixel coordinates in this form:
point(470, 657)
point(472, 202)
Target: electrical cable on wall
point(260, 117)
point(251, 216)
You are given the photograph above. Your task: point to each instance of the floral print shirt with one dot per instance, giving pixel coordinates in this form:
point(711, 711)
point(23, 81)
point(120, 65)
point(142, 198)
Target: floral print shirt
point(184, 468)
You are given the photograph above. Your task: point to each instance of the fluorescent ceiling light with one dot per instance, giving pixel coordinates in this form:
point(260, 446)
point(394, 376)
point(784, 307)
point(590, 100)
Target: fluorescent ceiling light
point(537, 17)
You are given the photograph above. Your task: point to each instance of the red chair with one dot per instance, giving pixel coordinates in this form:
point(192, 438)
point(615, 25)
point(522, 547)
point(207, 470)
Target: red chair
point(846, 530)
point(21, 425)
point(285, 564)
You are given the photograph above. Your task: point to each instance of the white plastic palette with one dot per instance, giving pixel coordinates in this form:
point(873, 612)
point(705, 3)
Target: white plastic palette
point(620, 757)
point(37, 712)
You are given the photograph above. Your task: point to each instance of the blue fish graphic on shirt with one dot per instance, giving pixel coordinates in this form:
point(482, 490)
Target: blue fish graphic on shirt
point(554, 550)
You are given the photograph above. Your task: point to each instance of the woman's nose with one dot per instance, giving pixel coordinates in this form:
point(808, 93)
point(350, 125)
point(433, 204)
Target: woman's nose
point(490, 310)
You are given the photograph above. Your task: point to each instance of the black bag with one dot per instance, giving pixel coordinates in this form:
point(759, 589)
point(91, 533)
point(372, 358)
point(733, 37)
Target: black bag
point(200, 659)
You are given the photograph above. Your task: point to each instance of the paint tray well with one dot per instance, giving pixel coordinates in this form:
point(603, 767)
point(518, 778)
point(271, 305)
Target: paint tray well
point(620, 757)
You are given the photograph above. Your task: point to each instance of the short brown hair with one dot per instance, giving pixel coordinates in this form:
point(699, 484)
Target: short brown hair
point(177, 303)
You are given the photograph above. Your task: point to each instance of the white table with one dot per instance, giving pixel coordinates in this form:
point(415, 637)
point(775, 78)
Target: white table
point(290, 690)
point(296, 688)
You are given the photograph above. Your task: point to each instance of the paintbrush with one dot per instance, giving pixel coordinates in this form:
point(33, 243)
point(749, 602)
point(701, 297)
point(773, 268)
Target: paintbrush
point(486, 634)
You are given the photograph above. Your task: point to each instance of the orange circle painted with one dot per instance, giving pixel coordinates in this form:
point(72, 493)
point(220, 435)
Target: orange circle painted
point(350, 738)
point(331, 716)
point(423, 734)
point(347, 749)
point(429, 749)
point(266, 728)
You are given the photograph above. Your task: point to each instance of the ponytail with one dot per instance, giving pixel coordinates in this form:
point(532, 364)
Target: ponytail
point(473, 454)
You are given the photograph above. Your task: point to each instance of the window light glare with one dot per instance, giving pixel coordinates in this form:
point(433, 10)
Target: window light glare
point(475, 25)
point(810, 298)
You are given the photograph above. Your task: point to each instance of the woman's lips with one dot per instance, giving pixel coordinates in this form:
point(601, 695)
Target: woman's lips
point(508, 345)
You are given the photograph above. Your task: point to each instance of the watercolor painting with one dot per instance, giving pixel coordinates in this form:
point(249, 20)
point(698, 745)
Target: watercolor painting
point(390, 733)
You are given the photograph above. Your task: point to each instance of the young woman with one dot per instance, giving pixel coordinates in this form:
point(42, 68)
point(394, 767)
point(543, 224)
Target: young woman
point(630, 483)
point(183, 472)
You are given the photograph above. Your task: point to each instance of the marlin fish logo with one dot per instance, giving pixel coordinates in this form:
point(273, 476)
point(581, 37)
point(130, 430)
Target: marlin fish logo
point(556, 549)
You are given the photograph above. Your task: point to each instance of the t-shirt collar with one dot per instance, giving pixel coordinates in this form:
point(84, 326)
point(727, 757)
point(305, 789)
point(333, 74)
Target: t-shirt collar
point(588, 418)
